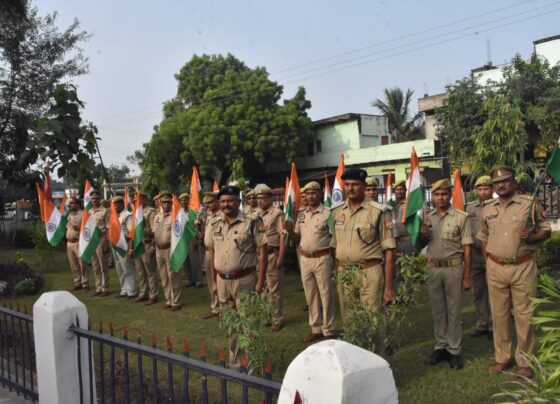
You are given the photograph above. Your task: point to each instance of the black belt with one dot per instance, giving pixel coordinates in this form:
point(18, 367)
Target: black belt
point(228, 276)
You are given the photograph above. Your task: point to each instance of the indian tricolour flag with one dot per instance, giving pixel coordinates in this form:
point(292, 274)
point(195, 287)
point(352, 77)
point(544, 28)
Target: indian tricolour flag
point(90, 236)
point(215, 187)
point(87, 195)
point(196, 192)
point(55, 221)
point(458, 196)
point(413, 211)
point(137, 228)
point(389, 191)
point(327, 201)
point(116, 235)
point(337, 192)
point(292, 197)
point(182, 233)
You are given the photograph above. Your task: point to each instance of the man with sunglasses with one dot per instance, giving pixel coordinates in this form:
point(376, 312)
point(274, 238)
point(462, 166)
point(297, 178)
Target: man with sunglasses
point(512, 229)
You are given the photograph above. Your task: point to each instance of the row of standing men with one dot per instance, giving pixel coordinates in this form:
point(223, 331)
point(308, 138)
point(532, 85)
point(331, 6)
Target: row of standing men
point(244, 250)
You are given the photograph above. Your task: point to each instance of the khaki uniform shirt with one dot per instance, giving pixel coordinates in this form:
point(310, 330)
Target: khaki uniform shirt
point(249, 211)
point(162, 229)
point(448, 234)
point(314, 229)
point(74, 219)
point(125, 219)
point(272, 219)
point(101, 216)
point(398, 210)
point(474, 210)
point(235, 245)
point(363, 234)
point(149, 217)
point(500, 226)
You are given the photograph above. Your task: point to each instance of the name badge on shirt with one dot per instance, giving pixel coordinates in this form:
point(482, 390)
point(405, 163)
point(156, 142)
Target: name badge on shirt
point(340, 219)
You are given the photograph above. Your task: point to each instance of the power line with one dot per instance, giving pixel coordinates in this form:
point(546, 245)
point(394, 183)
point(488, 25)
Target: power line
point(454, 23)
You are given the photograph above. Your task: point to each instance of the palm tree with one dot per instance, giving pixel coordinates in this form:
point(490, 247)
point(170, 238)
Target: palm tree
point(396, 109)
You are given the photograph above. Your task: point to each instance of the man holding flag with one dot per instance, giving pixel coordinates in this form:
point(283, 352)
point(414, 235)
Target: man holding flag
point(143, 250)
point(120, 226)
point(99, 258)
point(512, 229)
point(363, 237)
point(77, 265)
point(170, 280)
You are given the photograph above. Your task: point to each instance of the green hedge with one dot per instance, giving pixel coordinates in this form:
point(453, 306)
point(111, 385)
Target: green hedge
point(548, 255)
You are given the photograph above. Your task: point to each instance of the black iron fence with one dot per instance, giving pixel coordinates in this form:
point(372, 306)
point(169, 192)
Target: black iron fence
point(17, 352)
point(128, 371)
point(549, 198)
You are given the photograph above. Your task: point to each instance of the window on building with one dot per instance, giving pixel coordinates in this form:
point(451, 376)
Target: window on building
point(318, 146)
point(310, 149)
point(384, 140)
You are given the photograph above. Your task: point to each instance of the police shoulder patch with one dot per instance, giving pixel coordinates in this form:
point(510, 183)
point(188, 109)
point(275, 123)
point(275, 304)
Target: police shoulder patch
point(389, 224)
point(460, 212)
point(526, 197)
point(488, 201)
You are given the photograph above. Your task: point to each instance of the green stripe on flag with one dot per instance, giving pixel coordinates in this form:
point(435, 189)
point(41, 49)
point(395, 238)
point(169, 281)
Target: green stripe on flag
point(92, 245)
point(59, 233)
point(553, 165)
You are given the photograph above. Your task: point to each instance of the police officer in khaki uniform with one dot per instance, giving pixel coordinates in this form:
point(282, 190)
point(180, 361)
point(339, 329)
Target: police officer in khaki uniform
point(77, 265)
point(210, 213)
point(234, 242)
point(145, 265)
point(447, 232)
point(273, 219)
point(404, 246)
point(99, 259)
point(313, 235)
point(170, 280)
point(193, 264)
point(483, 189)
point(372, 188)
point(252, 206)
point(512, 229)
point(363, 236)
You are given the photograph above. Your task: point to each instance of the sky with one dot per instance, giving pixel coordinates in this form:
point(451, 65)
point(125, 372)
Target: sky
point(344, 53)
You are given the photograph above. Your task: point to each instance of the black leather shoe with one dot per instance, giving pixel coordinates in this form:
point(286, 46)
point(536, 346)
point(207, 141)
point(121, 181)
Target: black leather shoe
point(478, 333)
point(455, 362)
point(439, 355)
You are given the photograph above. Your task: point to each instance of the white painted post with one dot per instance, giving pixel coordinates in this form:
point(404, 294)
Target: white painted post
point(337, 372)
point(57, 349)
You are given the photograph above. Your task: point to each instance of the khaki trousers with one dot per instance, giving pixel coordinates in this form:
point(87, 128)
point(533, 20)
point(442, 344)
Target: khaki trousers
point(171, 281)
point(146, 275)
point(371, 281)
point(512, 285)
point(481, 302)
point(77, 265)
point(214, 301)
point(229, 294)
point(100, 269)
point(445, 288)
point(275, 286)
point(316, 276)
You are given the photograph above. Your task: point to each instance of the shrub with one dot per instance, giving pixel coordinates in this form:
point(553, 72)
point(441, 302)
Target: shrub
point(28, 286)
point(248, 323)
point(44, 251)
point(548, 254)
point(544, 387)
point(24, 237)
point(14, 273)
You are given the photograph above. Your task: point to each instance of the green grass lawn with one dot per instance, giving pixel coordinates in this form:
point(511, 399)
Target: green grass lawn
point(416, 382)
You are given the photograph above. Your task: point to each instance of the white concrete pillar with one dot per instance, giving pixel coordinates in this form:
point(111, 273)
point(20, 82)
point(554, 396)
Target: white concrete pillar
point(57, 349)
point(337, 372)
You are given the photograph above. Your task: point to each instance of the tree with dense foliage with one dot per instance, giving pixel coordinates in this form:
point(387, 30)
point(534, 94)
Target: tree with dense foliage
point(223, 111)
point(504, 121)
point(35, 58)
point(396, 108)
